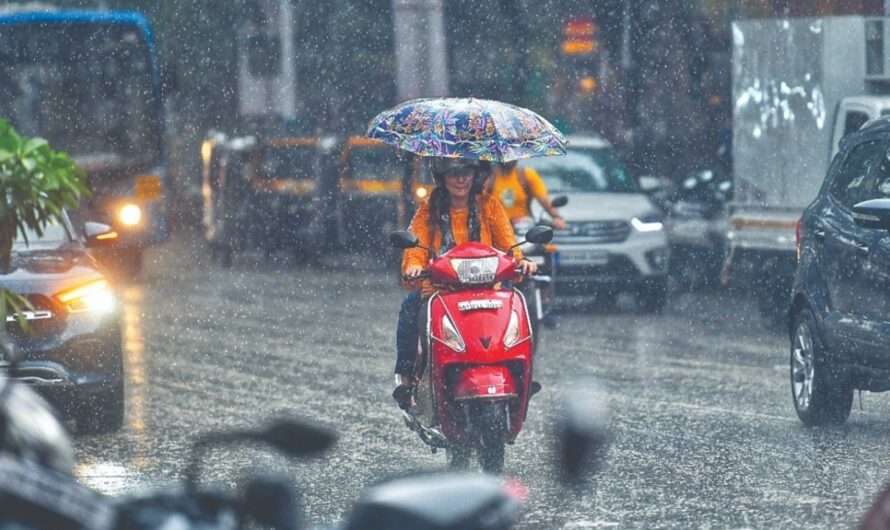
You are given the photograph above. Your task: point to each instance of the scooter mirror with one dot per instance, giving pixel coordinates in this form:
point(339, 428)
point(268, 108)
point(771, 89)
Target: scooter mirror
point(297, 438)
point(559, 201)
point(403, 239)
point(539, 235)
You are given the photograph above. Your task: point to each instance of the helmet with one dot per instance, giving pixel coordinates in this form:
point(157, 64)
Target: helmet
point(440, 166)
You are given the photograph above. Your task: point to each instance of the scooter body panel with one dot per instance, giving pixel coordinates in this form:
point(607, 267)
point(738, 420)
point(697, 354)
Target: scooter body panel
point(484, 368)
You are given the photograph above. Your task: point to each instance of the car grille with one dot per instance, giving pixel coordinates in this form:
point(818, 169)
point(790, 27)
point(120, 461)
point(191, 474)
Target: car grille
point(593, 232)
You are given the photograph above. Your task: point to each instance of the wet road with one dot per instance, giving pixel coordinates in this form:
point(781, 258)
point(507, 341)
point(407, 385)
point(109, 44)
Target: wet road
point(705, 434)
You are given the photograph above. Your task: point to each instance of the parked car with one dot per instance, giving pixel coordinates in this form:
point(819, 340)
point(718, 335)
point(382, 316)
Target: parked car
point(614, 241)
point(839, 317)
point(69, 342)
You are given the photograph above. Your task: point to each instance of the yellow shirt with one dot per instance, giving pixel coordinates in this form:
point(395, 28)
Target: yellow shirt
point(516, 198)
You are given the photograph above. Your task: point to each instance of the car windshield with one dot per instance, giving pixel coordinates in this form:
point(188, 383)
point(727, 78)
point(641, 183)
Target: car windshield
point(376, 163)
point(284, 163)
point(86, 88)
point(54, 236)
point(597, 170)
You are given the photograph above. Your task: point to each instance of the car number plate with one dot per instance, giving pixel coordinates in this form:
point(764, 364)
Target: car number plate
point(583, 257)
point(148, 188)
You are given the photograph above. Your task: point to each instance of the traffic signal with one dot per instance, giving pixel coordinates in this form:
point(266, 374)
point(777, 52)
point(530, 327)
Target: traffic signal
point(579, 37)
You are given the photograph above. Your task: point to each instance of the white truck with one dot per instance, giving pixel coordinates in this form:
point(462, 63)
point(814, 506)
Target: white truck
point(799, 86)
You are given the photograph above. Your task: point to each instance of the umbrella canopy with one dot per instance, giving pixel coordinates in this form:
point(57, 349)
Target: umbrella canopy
point(479, 129)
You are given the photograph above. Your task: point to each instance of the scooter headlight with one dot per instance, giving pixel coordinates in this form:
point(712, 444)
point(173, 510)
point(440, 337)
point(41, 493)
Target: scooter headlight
point(511, 337)
point(480, 270)
point(450, 336)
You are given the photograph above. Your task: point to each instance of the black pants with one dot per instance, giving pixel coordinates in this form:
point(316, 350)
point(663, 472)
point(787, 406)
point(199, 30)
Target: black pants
point(408, 333)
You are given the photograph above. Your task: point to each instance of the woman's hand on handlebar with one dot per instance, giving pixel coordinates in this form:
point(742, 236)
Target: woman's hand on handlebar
point(526, 267)
point(412, 272)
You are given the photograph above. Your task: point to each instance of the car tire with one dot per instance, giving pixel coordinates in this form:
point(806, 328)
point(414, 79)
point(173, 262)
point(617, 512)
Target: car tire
point(821, 394)
point(104, 413)
point(652, 296)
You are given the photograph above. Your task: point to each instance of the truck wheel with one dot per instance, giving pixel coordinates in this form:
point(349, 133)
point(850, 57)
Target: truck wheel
point(652, 296)
point(103, 414)
point(822, 395)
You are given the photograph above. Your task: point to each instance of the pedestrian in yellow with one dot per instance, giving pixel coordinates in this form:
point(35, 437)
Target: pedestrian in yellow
point(516, 187)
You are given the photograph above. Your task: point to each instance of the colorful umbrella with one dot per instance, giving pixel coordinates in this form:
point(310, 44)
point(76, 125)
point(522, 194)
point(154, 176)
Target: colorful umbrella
point(479, 129)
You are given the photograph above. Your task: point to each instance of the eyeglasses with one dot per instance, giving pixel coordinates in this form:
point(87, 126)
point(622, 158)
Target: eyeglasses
point(458, 172)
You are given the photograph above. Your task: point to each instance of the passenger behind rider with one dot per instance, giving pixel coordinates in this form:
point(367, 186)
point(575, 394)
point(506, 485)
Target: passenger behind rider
point(456, 212)
point(516, 187)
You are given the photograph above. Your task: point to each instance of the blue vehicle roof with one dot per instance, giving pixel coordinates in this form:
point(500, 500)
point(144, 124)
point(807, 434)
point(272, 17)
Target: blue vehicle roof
point(101, 17)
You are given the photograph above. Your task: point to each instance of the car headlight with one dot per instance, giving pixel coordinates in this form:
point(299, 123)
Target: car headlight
point(130, 215)
point(94, 296)
point(511, 337)
point(480, 270)
point(450, 336)
point(648, 223)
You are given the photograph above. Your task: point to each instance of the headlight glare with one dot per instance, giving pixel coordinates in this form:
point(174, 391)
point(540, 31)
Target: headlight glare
point(647, 223)
point(94, 296)
point(130, 215)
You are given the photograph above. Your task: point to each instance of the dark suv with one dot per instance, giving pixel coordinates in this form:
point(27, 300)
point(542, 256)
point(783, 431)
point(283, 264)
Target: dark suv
point(839, 318)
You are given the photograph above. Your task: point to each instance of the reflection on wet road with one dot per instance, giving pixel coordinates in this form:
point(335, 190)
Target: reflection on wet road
point(704, 430)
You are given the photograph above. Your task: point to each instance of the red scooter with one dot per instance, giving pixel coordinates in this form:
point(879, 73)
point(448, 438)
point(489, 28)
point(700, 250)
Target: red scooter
point(474, 365)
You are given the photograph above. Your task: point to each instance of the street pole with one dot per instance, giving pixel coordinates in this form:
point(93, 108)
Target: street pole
point(420, 49)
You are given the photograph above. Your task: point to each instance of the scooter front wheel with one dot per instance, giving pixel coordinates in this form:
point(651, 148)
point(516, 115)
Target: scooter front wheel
point(458, 457)
point(492, 423)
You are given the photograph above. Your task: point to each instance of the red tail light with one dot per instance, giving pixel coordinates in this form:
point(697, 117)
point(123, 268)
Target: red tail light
point(797, 238)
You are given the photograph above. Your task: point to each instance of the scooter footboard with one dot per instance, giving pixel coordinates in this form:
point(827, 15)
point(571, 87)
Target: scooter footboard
point(485, 382)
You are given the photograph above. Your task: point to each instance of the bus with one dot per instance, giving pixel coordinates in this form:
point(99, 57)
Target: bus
point(88, 82)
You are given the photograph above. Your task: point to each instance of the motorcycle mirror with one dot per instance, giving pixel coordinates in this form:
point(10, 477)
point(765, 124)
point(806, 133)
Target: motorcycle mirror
point(559, 201)
point(403, 239)
point(297, 438)
point(583, 434)
point(539, 235)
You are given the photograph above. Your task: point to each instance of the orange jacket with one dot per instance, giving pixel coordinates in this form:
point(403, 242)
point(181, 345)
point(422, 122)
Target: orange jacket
point(495, 230)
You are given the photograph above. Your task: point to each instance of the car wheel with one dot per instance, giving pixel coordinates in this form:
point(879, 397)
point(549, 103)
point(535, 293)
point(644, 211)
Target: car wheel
point(104, 413)
point(652, 296)
point(822, 395)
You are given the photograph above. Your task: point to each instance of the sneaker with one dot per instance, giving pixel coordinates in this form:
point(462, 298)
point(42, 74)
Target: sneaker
point(402, 394)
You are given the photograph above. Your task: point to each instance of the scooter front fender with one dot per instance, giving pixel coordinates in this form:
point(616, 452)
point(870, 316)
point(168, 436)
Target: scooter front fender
point(485, 382)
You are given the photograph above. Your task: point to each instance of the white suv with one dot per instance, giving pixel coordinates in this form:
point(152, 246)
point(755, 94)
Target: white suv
point(615, 239)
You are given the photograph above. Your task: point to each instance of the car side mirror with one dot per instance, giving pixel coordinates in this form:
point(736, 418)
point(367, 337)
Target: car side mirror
point(559, 201)
point(874, 213)
point(539, 235)
point(99, 234)
point(403, 239)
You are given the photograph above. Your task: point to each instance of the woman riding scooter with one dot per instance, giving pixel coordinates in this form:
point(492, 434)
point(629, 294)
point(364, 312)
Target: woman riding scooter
point(456, 212)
